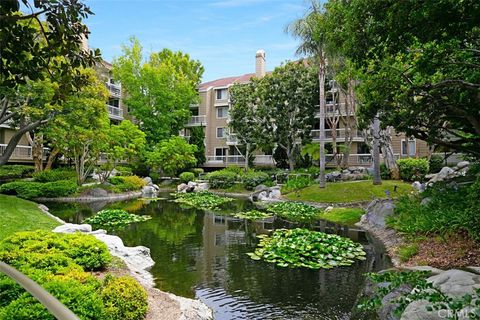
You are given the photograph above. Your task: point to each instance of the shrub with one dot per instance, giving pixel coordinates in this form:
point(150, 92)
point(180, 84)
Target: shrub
point(197, 171)
point(128, 183)
point(186, 177)
point(253, 178)
point(124, 299)
point(297, 183)
point(235, 169)
point(435, 163)
point(413, 169)
point(54, 175)
point(123, 171)
point(115, 180)
point(384, 172)
point(31, 190)
point(221, 179)
point(15, 171)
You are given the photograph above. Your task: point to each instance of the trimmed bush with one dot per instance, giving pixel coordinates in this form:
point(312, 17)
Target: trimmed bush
point(221, 179)
point(128, 183)
point(124, 299)
point(384, 172)
point(254, 178)
point(297, 183)
point(15, 171)
point(413, 169)
point(54, 175)
point(185, 177)
point(197, 171)
point(31, 190)
point(123, 171)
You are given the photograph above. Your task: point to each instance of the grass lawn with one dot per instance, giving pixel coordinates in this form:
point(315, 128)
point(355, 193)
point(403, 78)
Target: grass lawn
point(354, 191)
point(348, 216)
point(21, 215)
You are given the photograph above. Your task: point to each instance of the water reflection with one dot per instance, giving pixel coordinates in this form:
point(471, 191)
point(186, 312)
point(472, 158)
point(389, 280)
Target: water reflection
point(203, 254)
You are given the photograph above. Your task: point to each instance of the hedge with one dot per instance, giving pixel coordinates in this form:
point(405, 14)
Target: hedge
point(253, 178)
point(54, 175)
point(15, 171)
point(186, 177)
point(221, 179)
point(412, 169)
point(126, 183)
point(31, 190)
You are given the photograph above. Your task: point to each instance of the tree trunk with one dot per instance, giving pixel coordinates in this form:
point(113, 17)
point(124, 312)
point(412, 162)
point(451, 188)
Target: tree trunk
point(291, 161)
point(247, 154)
point(388, 155)
point(321, 82)
point(12, 144)
point(51, 158)
point(377, 180)
point(37, 152)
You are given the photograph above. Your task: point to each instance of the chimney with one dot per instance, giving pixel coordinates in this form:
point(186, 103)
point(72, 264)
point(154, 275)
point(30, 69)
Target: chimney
point(260, 63)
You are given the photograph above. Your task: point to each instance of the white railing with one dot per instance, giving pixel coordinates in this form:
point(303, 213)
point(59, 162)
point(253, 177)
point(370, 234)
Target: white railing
point(197, 121)
point(340, 134)
point(264, 159)
point(236, 159)
point(232, 139)
point(115, 89)
point(114, 112)
point(353, 159)
point(22, 152)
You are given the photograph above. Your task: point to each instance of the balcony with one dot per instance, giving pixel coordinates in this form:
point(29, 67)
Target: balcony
point(264, 160)
point(226, 160)
point(332, 109)
point(357, 136)
point(196, 121)
point(360, 159)
point(232, 140)
point(22, 153)
point(114, 112)
point(115, 89)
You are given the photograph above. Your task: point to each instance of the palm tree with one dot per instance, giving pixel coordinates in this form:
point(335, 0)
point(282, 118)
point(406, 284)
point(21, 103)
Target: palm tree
point(309, 29)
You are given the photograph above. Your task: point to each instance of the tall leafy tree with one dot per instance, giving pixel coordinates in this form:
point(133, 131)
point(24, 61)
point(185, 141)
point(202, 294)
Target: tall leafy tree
point(310, 29)
point(197, 138)
point(419, 65)
point(159, 89)
point(172, 155)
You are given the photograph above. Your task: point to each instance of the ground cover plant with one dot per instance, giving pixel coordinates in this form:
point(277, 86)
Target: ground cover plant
point(126, 183)
point(201, 200)
point(54, 175)
point(295, 211)
point(310, 249)
point(114, 218)
point(347, 216)
point(421, 290)
point(57, 262)
point(252, 215)
point(297, 183)
point(354, 191)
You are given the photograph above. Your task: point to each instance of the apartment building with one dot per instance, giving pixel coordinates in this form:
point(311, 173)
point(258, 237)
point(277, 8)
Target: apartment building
point(221, 146)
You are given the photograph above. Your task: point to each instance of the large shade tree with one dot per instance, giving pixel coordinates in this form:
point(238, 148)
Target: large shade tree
point(159, 89)
point(419, 63)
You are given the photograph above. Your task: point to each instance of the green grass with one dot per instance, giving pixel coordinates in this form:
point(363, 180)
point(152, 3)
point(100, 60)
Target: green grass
point(340, 192)
point(21, 215)
point(407, 251)
point(348, 216)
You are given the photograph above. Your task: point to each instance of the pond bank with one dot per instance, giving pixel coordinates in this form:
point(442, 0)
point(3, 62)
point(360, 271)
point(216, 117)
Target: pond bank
point(110, 197)
point(137, 260)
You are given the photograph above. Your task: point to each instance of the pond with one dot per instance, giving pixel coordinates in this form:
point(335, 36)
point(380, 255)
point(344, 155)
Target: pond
point(202, 254)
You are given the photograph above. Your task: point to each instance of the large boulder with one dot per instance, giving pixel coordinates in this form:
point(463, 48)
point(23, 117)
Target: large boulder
point(72, 228)
point(149, 191)
point(96, 193)
point(275, 193)
point(377, 211)
point(182, 187)
point(148, 181)
point(202, 186)
point(463, 164)
point(333, 176)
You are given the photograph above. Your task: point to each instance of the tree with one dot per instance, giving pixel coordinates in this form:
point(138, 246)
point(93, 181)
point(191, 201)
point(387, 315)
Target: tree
point(419, 64)
point(81, 132)
point(159, 90)
point(172, 155)
point(124, 142)
point(311, 31)
point(36, 53)
point(197, 138)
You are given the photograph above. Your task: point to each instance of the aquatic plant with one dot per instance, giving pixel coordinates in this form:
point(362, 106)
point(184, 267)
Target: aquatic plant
point(295, 211)
point(252, 215)
point(201, 200)
point(310, 249)
point(111, 218)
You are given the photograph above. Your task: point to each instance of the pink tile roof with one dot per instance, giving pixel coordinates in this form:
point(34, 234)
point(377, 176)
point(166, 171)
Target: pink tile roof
point(226, 81)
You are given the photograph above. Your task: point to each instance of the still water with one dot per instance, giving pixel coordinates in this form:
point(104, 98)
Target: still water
point(202, 254)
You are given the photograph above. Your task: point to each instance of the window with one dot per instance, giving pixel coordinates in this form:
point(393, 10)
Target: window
point(221, 132)
point(114, 102)
point(221, 94)
point(222, 112)
point(409, 148)
point(220, 154)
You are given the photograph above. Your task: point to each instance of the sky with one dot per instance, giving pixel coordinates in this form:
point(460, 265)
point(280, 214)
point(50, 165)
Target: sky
point(223, 34)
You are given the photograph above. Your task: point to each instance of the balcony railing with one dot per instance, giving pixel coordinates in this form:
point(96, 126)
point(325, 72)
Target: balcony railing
point(197, 121)
point(340, 134)
point(264, 159)
point(115, 112)
point(353, 159)
point(337, 109)
point(232, 140)
point(115, 89)
point(22, 152)
point(236, 159)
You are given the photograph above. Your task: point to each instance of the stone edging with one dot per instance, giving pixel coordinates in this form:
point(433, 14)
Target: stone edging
point(114, 197)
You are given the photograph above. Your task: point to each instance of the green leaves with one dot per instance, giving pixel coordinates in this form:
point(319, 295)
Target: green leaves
point(172, 155)
point(201, 200)
point(295, 211)
point(252, 215)
point(308, 249)
point(112, 218)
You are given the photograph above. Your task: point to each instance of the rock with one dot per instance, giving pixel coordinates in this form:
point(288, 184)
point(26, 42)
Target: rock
point(474, 269)
point(442, 175)
point(96, 193)
point(433, 271)
point(430, 176)
point(329, 208)
point(263, 195)
point(425, 201)
point(456, 283)
point(203, 186)
point(148, 181)
point(260, 187)
point(377, 211)
point(417, 310)
point(72, 228)
point(43, 207)
point(387, 311)
point(149, 191)
point(275, 193)
point(191, 184)
point(463, 164)
point(99, 231)
point(333, 176)
point(156, 187)
point(182, 187)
